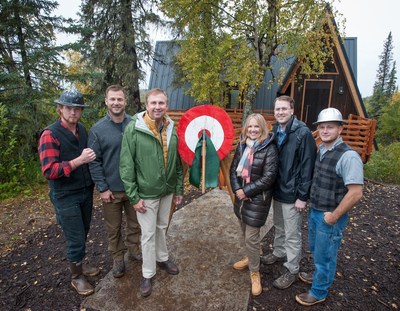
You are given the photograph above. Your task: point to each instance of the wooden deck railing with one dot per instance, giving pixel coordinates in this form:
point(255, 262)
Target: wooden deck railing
point(359, 134)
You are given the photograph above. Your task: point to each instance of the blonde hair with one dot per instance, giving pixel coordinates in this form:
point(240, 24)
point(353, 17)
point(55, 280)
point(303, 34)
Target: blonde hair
point(261, 123)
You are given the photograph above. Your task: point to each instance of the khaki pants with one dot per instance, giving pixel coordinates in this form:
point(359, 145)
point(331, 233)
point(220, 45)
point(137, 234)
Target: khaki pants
point(252, 242)
point(113, 219)
point(154, 223)
point(287, 241)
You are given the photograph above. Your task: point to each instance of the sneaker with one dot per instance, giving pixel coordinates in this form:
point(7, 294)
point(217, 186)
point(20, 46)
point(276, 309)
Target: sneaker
point(118, 269)
point(306, 277)
point(307, 299)
point(241, 264)
point(271, 258)
point(285, 280)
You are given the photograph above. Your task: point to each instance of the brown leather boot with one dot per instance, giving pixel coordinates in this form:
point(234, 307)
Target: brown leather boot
point(78, 280)
point(89, 270)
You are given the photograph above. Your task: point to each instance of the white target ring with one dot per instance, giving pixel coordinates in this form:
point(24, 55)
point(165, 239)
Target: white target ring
point(210, 125)
point(214, 121)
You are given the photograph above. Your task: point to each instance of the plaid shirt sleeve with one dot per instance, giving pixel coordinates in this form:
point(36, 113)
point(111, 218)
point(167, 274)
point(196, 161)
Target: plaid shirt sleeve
point(49, 154)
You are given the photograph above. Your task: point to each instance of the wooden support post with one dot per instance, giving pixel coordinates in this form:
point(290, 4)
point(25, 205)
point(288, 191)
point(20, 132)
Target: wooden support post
point(185, 169)
point(225, 167)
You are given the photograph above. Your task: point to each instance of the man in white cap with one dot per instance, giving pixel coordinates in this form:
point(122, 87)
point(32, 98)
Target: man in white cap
point(337, 186)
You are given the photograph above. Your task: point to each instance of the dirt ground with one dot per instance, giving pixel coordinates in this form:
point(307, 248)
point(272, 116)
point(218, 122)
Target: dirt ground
point(34, 272)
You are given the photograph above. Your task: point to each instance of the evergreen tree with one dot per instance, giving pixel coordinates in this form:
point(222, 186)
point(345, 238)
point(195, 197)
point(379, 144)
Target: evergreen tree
point(391, 85)
point(30, 66)
point(385, 83)
point(382, 75)
point(115, 41)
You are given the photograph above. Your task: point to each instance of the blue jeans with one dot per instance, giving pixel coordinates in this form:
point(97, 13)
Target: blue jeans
point(324, 241)
point(74, 213)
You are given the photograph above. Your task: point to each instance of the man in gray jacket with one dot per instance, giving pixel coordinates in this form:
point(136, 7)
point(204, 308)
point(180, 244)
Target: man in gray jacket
point(105, 139)
point(297, 152)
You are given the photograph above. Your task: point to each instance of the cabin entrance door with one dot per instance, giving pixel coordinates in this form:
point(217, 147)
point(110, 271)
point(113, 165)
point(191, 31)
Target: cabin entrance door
point(317, 95)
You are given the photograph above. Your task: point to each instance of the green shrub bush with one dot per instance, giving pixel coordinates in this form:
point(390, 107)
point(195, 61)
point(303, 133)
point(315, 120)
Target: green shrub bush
point(384, 165)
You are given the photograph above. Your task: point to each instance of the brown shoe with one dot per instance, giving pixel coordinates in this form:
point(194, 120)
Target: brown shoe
point(256, 288)
point(89, 270)
point(241, 264)
point(78, 280)
point(118, 269)
point(135, 257)
point(168, 266)
point(306, 277)
point(145, 287)
point(271, 259)
point(307, 299)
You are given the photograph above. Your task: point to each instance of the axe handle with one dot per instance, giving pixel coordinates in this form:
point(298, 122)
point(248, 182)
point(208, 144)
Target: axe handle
point(203, 164)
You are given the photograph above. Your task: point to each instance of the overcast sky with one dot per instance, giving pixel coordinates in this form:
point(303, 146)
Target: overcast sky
point(371, 25)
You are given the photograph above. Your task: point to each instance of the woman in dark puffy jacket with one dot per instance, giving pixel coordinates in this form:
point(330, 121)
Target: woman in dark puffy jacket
point(252, 174)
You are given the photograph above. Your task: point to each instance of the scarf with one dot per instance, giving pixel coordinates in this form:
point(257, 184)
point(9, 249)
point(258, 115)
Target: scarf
point(159, 133)
point(244, 166)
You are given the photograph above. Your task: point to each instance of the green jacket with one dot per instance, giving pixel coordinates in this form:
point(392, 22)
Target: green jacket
point(141, 165)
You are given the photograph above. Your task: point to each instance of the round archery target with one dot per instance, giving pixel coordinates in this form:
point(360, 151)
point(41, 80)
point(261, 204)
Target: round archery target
point(215, 132)
point(211, 119)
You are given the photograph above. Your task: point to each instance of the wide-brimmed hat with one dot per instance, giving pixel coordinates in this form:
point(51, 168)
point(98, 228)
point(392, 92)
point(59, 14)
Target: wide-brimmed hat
point(71, 98)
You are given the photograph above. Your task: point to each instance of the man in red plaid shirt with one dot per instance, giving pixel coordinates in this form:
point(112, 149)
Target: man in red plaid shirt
point(64, 158)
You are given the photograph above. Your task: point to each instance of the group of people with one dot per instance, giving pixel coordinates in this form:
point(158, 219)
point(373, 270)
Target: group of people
point(135, 165)
point(284, 166)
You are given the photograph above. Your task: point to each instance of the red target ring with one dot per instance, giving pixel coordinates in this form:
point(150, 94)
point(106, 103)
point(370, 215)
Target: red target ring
point(214, 121)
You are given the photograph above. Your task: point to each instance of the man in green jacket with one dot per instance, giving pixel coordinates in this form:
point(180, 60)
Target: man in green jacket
point(151, 170)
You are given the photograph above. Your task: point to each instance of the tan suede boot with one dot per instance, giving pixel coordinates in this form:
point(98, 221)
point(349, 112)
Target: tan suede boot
point(256, 288)
point(78, 280)
point(241, 264)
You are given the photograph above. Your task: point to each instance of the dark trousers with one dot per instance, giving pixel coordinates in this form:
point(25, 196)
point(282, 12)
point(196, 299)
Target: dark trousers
point(74, 213)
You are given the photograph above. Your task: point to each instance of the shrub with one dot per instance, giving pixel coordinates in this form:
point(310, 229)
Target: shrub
point(389, 124)
point(384, 165)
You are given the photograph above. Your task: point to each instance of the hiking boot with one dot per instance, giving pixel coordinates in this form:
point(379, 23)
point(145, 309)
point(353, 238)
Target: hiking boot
point(118, 269)
point(242, 264)
point(271, 258)
point(306, 277)
point(256, 288)
point(145, 287)
point(89, 270)
point(285, 280)
point(135, 257)
point(168, 266)
point(307, 299)
point(78, 280)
